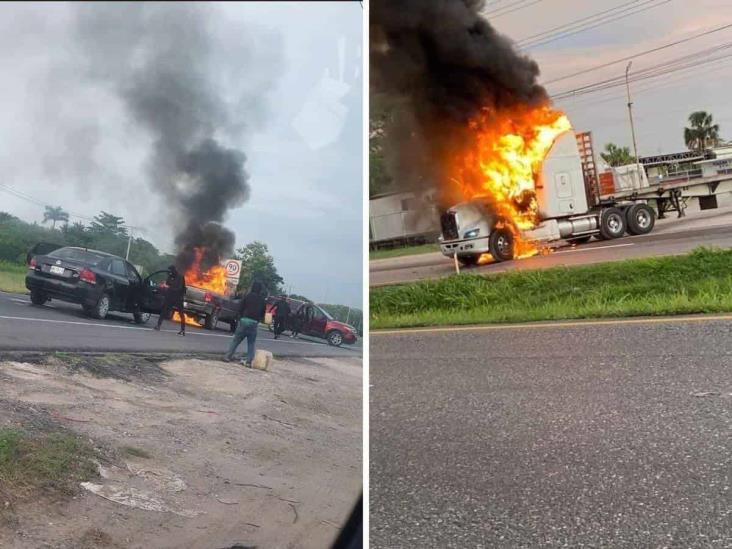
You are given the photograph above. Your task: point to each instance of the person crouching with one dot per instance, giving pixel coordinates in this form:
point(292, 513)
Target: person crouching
point(251, 313)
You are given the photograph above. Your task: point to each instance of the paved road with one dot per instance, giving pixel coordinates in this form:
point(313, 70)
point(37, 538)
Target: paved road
point(585, 435)
point(670, 242)
point(63, 326)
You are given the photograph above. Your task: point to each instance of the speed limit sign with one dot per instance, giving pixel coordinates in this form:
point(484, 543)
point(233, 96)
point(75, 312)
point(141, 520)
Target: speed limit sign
point(233, 268)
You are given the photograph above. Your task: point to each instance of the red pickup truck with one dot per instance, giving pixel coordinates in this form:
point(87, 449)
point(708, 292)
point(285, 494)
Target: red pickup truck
point(318, 322)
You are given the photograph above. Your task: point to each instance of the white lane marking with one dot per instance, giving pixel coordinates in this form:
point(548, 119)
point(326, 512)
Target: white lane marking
point(567, 324)
point(99, 325)
point(593, 249)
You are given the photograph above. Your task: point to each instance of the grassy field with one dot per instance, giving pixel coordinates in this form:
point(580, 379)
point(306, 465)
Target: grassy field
point(700, 282)
point(407, 250)
point(12, 277)
point(55, 462)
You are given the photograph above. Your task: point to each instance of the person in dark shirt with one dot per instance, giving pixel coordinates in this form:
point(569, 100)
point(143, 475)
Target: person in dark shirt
point(281, 316)
point(251, 313)
point(174, 294)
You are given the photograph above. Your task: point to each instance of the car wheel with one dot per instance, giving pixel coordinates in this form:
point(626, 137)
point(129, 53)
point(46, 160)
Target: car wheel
point(211, 321)
point(101, 309)
point(500, 244)
point(468, 260)
point(335, 338)
point(140, 317)
point(640, 218)
point(38, 298)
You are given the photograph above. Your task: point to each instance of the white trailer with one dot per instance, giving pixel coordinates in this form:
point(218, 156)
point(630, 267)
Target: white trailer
point(473, 228)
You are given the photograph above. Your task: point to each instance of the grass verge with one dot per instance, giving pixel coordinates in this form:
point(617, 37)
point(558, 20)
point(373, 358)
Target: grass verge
point(12, 277)
point(700, 282)
point(52, 462)
point(407, 250)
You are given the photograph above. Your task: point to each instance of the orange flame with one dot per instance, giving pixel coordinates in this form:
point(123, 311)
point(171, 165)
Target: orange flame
point(213, 280)
point(189, 319)
point(504, 159)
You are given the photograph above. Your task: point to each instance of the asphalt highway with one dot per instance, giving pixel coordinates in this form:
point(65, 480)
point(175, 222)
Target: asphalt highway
point(435, 265)
point(61, 326)
point(613, 434)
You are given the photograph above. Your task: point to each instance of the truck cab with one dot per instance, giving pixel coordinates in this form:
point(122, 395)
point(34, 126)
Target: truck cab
point(473, 228)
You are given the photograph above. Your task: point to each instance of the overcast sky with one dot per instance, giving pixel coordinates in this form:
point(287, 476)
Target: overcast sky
point(291, 75)
point(661, 106)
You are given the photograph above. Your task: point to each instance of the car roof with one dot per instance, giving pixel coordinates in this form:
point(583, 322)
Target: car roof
point(98, 252)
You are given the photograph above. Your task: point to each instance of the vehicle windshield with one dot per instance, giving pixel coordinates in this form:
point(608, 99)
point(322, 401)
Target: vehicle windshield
point(75, 254)
point(327, 315)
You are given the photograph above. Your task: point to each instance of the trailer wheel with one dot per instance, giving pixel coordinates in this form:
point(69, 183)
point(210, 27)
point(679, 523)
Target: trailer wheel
point(468, 260)
point(612, 223)
point(641, 219)
point(500, 244)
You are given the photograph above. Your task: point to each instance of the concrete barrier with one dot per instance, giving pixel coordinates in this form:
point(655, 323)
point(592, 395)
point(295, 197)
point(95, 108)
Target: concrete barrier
point(262, 360)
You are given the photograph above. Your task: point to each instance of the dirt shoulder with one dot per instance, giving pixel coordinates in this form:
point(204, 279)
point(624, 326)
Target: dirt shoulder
point(192, 452)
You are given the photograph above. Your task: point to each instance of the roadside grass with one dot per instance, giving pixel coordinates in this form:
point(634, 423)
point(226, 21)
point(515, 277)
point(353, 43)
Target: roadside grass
point(700, 282)
point(54, 462)
point(407, 250)
point(12, 277)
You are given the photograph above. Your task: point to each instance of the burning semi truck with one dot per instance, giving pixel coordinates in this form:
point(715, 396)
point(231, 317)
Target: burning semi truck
point(531, 191)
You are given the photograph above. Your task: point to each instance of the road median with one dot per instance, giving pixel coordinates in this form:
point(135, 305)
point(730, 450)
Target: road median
point(699, 282)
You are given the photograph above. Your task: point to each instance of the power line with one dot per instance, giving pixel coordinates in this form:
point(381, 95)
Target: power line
point(495, 13)
point(639, 54)
point(28, 198)
point(593, 26)
point(674, 65)
point(571, 24)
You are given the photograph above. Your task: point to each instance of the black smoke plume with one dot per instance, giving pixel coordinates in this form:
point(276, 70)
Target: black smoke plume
point(156, 58)
point(434, 65)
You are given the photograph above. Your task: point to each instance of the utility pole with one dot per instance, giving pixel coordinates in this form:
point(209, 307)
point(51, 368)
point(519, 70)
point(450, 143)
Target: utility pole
point(129, 243)
point(632, 126)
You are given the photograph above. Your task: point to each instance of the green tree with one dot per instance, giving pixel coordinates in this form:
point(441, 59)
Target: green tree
point(348, 315)
point(258, 264)
point(617, 156)
point(54, 214)
point(106, 223)
point(703, 133)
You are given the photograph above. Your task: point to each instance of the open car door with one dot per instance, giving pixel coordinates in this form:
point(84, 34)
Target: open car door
point(153, 292)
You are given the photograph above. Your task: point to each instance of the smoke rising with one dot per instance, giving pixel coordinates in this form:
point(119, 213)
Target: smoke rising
point(157, 59)
point(434, 65)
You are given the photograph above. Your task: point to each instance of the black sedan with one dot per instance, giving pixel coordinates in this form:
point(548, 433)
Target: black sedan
point(98, 281)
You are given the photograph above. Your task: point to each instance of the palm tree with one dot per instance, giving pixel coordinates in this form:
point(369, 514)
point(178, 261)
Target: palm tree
point(702, 134)
point(54, 214)
point(617, 156)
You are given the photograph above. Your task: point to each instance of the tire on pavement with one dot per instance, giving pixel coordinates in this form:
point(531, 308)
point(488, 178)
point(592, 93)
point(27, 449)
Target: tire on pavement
point(140, 317)
point(640, 218)
point(500, 244)
point(100, 310)
point(335, 338)
point(612, 223)
point(38, 298)
point(211, 321)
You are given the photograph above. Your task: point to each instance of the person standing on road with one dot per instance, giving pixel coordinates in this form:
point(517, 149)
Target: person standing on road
point(174, 294)
point(251, 313)
point(281, 316)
